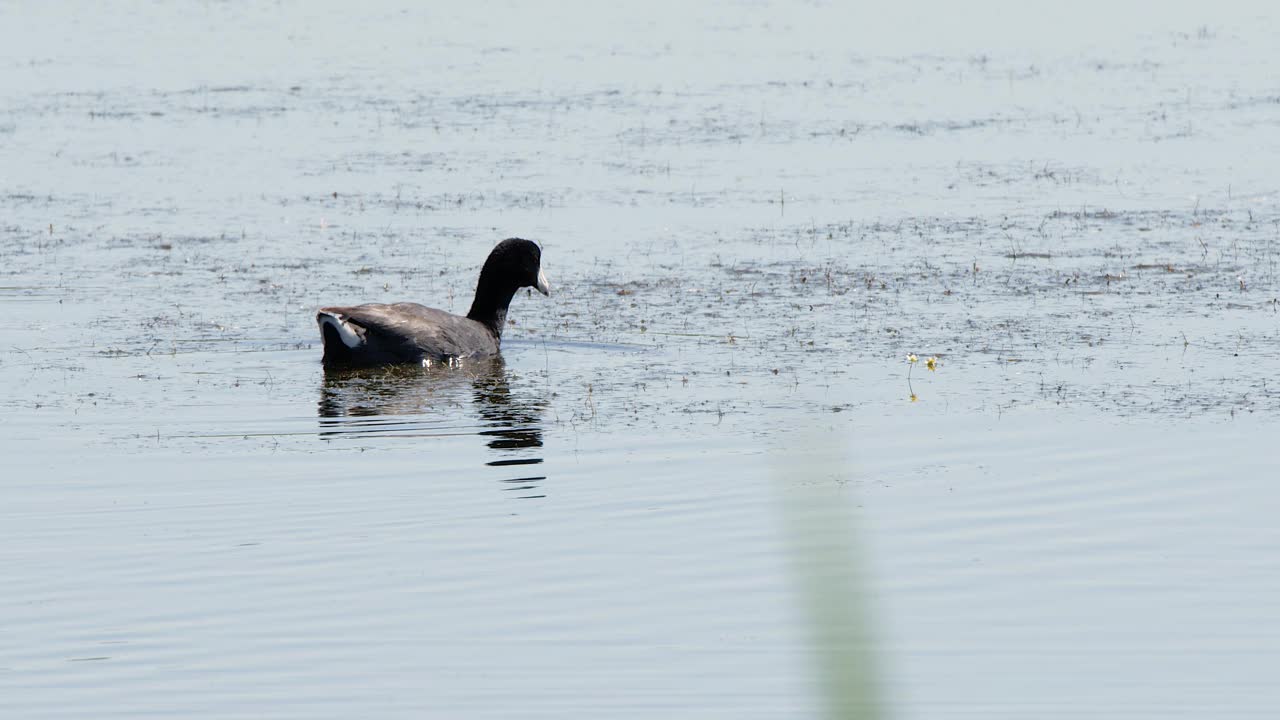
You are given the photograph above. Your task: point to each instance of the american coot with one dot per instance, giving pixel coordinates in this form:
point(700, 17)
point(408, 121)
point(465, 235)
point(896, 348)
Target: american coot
point(378, 334)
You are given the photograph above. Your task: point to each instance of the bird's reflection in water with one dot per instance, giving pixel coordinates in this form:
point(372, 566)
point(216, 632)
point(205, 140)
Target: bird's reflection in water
point(409, 402)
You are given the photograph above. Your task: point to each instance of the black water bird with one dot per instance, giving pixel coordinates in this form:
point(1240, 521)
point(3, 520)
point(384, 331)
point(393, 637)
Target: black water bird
point(385, 334)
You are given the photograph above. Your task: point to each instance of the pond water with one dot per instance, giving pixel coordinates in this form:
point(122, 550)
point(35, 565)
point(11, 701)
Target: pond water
point(703, 480)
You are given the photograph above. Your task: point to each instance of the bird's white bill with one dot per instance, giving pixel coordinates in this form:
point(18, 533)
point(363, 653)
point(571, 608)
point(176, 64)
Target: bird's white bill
point(543, 286)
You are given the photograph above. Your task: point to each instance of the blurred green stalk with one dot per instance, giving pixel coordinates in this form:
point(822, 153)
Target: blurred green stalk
point(818, 533)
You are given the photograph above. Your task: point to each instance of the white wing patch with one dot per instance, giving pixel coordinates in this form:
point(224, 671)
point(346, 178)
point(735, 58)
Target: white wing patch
point(352, 335)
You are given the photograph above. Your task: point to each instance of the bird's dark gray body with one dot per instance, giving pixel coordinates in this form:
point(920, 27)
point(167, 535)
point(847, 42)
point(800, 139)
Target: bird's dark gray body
point(405, 332)
point(401, 333)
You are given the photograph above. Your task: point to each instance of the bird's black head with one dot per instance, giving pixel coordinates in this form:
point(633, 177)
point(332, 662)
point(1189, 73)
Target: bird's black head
point(513, 264)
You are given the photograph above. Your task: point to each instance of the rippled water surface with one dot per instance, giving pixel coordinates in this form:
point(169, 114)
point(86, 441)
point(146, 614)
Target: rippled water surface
point(702, 481)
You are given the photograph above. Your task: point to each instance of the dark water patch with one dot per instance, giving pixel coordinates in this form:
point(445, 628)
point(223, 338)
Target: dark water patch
point(413, 199)
point(112, 114)
point(507, 463)
point(1053, 173)
point(1251, 102)
point(33, 293)
point(930, 127)
point(366, 162)
point(217, 89)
